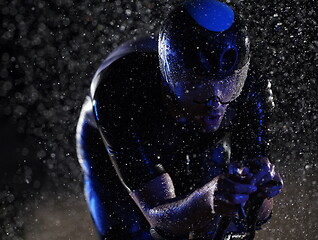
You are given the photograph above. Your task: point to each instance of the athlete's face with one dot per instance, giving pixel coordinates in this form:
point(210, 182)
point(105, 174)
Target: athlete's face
point(204, 98)
point(201, 105)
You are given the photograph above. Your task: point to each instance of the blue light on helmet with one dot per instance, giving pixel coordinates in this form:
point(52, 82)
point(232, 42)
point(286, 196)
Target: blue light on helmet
point(210, 14)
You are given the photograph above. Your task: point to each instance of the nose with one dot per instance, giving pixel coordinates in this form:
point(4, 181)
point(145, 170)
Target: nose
point(213, 103)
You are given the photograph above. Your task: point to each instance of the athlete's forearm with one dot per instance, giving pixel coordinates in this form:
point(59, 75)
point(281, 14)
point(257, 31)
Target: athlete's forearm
point(266, 209)
point(180, 216)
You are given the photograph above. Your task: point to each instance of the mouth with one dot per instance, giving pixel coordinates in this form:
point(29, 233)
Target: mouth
point(211, 120)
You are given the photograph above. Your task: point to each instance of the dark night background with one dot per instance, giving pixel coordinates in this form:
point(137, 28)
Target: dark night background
point(49, 53)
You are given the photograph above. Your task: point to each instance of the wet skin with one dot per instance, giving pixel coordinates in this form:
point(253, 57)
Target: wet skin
point(201, 105)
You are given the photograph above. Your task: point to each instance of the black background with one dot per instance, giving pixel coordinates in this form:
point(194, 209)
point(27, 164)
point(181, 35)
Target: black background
point(49, 53)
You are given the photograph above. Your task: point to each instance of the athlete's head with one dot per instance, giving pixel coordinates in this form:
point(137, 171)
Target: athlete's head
point(204, 58)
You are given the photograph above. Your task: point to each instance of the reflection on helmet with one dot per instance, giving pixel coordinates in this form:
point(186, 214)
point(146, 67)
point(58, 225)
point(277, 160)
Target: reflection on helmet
point(212, 50)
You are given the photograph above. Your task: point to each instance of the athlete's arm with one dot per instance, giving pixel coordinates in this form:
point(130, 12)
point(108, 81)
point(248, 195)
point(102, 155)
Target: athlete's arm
point(175, 216)
point(269, 184)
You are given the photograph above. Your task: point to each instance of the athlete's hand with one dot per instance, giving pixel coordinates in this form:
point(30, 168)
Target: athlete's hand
point(268, 182)
point(232, 192)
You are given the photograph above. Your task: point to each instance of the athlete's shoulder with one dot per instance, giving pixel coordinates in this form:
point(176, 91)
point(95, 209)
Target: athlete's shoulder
point(125, 60)
point(127, 86)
